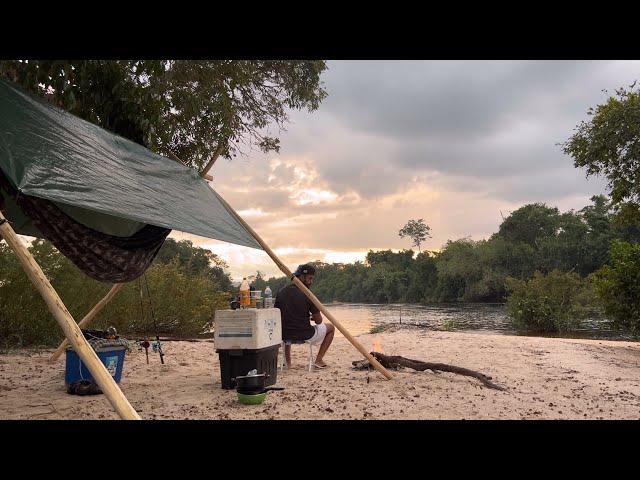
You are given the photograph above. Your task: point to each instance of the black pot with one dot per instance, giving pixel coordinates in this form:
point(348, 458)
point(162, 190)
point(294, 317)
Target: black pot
point(247, 383)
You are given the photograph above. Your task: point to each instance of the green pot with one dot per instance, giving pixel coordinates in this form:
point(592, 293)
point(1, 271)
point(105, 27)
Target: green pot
point(252, 399)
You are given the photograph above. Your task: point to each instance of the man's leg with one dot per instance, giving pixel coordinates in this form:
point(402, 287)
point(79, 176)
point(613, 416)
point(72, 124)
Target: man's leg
point(324, 346)
point(287, 354)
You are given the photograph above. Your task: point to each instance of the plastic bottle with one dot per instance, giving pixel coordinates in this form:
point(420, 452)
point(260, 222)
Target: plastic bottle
point(269, 301)
point(245, 295)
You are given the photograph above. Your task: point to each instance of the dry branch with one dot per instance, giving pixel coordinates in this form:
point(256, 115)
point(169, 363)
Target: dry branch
point(394, 362)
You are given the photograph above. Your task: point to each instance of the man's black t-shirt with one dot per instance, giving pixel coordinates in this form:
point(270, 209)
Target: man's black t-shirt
point(295, 308)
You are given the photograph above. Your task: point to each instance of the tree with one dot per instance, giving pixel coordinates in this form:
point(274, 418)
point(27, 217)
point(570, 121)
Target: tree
point(609, 144)
point(187, 107)
point(195, 261)
point(529, 223)
point(556, 302)
point(618, 286)
point(417, 230)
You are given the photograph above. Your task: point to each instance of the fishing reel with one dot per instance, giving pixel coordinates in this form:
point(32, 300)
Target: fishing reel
point(112, 333)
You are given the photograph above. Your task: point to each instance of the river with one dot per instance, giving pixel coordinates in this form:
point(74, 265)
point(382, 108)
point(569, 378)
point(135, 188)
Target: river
point(491, 318)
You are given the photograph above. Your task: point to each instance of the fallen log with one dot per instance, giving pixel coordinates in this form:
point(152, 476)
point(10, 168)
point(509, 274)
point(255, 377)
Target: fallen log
point(395, 362)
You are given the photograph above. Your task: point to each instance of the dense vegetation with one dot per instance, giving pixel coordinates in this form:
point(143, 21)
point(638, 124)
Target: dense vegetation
point(184, 291)
point(534, 238)
point(618, 287)
point(556, 302)
point(544, 263)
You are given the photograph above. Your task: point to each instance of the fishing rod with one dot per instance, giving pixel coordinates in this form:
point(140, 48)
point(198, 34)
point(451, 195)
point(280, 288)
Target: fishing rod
point(157, 346)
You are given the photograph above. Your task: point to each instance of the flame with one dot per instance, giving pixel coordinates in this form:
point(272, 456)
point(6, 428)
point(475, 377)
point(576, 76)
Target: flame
point(377, 346)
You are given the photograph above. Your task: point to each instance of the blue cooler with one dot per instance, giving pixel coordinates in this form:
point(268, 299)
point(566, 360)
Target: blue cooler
point(112, 357)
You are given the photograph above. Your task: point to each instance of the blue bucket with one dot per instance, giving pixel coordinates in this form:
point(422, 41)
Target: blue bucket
point(112, 357)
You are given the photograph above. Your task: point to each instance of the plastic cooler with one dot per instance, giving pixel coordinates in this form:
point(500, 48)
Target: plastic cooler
point(112, 357)
point(247, 339)
point(235, 363)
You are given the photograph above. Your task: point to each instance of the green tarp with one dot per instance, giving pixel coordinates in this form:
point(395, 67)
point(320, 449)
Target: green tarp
point(101, 180)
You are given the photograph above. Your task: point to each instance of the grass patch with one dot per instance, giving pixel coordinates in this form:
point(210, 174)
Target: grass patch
point(380, 328)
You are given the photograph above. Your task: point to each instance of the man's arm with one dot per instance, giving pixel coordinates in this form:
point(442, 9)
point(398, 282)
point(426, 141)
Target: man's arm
point(316, 317)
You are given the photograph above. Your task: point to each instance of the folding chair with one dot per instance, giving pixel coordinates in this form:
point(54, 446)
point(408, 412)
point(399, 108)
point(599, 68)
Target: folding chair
point(283, 360)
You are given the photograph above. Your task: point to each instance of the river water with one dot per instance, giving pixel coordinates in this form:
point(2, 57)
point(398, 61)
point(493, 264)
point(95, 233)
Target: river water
point(480, 317)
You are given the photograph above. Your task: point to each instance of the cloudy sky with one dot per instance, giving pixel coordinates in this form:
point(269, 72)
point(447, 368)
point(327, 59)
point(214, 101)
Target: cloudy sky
point(457, 143)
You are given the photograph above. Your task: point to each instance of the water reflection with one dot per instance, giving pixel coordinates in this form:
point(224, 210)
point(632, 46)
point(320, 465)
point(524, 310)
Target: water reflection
point(484, 317)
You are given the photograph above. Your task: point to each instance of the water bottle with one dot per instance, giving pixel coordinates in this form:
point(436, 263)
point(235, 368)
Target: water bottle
point(268, 298)
point(245, 295)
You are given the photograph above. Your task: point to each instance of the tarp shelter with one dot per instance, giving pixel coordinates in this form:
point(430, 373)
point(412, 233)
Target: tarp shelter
point(72, 182)
point(102, 180)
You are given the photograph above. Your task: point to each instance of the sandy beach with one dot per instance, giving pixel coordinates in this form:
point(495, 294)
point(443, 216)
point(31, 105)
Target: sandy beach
point(545, 378)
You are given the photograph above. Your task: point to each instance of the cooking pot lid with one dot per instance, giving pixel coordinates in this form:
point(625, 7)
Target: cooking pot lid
point(252, 376)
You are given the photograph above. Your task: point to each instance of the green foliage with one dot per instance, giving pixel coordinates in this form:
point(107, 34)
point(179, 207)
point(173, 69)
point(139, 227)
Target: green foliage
point(449, 325)
point(275, 283)
point(549, 303)
point(183, 298)
point(609, 144)
point(379, 328)
point(188, 107)
point(182, 303)
point(386, 276)
point(416, 230)
point(533, 238)
point(618, 287)
point(195, 261)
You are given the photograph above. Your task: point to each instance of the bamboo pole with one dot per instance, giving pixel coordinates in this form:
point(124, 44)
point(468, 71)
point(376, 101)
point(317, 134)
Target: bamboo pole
point(71, 330)
point(88, 318)
point(308, 293)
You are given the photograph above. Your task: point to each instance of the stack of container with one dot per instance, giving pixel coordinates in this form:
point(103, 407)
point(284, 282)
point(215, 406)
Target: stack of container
point(247, 339)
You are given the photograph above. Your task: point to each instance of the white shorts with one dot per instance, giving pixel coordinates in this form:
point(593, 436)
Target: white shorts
point(318, 336)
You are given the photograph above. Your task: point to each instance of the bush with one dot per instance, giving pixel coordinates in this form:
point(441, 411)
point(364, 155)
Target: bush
point(556, 302)
point(183, 302)
point(617, 287)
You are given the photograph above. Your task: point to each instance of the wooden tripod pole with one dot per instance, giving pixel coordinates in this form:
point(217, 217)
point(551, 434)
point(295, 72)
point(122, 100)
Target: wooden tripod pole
point(71, 330)
point(213, 159)
point(308, 293)
point(88, 318)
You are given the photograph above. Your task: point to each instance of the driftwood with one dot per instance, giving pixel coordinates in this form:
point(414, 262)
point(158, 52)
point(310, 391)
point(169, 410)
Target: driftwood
point(394, 362)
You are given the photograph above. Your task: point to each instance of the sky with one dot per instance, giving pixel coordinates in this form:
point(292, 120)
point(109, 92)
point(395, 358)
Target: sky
point(459, 144)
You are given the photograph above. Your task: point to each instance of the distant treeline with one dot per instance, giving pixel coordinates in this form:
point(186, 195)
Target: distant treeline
point(533, 238)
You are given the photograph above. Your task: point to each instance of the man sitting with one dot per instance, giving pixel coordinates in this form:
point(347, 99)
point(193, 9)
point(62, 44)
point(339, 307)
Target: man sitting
point(297, 311)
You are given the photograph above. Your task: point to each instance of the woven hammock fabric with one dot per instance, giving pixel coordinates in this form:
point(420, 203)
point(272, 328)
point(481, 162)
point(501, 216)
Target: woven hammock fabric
point(103, 257)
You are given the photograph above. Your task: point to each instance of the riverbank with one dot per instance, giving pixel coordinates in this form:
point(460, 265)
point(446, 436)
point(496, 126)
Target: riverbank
point(546, 378)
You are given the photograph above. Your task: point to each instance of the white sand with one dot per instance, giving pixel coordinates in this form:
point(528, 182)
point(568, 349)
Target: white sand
point(546, 378)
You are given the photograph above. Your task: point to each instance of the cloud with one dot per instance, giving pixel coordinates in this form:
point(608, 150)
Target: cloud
point(456, 143)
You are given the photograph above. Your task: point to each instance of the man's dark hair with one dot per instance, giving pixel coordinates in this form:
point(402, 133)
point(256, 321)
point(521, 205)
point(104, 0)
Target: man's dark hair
point(303, 269)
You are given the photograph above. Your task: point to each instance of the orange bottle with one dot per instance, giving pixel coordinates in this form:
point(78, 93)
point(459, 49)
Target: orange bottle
point(245, 294)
